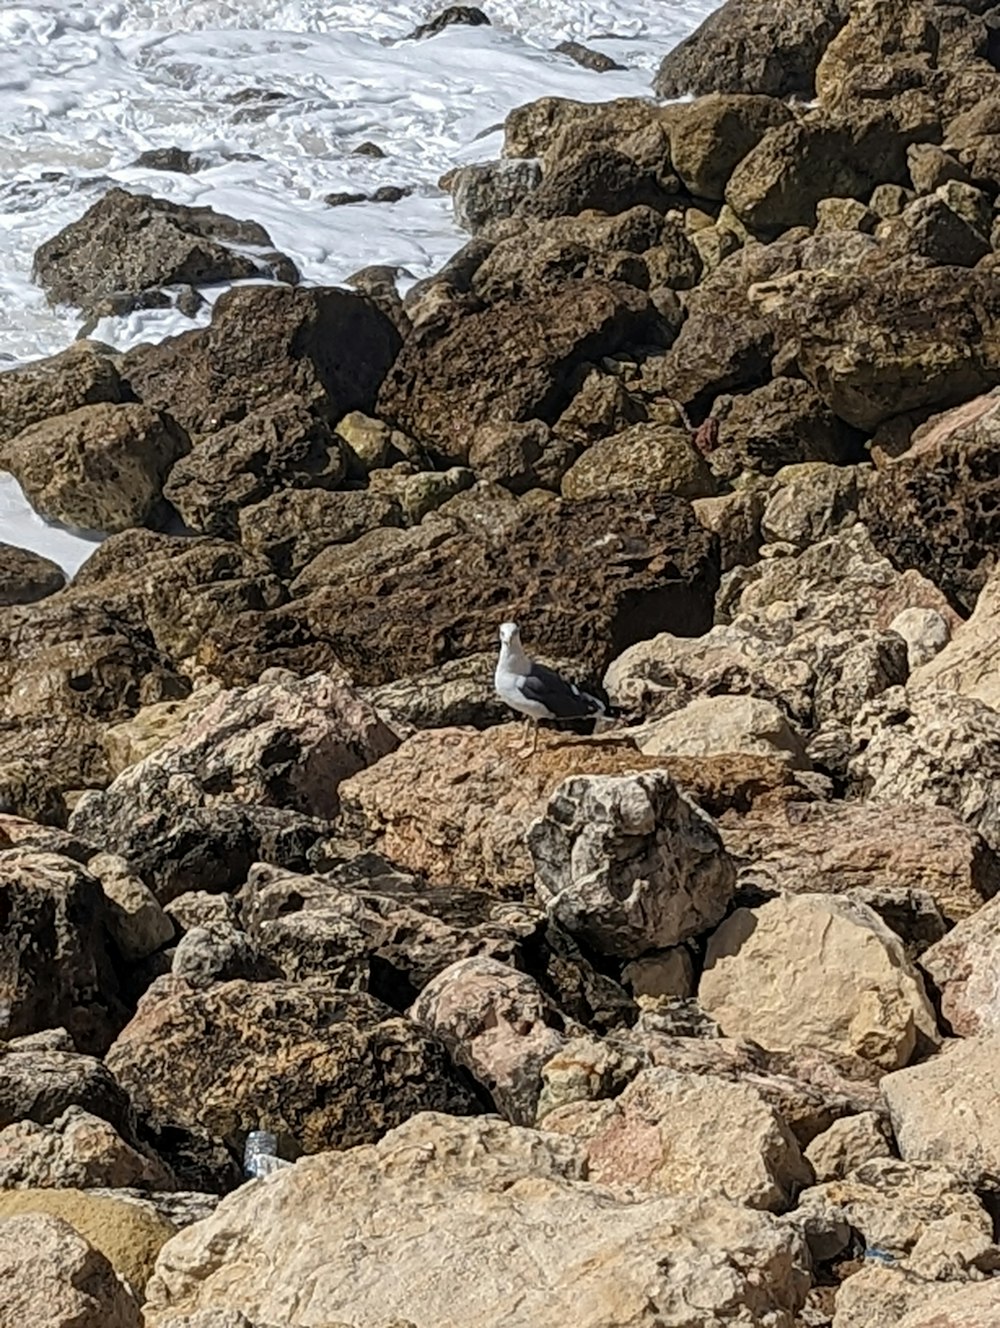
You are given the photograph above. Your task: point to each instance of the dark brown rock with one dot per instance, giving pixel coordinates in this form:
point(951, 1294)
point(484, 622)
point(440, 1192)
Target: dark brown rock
point(26, 577)
point(588, 58)
point(603, 179)
point(81, 375)
point(330, 348)
point(520, 456)
point(489, 191)
point(470, 15)
point(711, 136)
point(131, 242)
point(40, 1082)
point(293, 525)
point(780, 424)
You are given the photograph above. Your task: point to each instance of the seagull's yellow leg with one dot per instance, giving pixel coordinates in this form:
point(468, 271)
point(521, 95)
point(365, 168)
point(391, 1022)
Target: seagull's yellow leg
point(534, 736)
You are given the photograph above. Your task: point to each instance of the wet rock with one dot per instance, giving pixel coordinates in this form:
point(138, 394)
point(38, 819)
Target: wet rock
point(131, 242)
point(76, 1150)
point(746, 48)
point(499, 1025)
point(848, 1144)
point(331, 1069)
point(54, 1278)
point(783, 423)
point(470, 15)
point(280, 446)
point(173, 159)
point(489, 191)
point(471, 1185)
point(645, 458)
point(660, 1137)
point(587, 58)
point(101, 467)
point(525, 355)
point(963, 968)
point(777, 975)
point(292, 526)
point(328, 347)
point(27, 577)
point(82, 375)
point(629, 864)
point(713, 134)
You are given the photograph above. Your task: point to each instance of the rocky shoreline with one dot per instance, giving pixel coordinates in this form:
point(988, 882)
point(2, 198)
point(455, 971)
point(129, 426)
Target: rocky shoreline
point(687, 1022)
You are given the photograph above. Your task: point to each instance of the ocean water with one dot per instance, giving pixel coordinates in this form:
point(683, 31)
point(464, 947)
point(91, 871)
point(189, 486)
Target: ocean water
point(86, 87)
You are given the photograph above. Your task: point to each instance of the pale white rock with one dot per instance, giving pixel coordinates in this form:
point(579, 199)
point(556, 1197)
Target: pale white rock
point(889, 1296)
point(137, 920)
point(965, 968)
point(945, 1110)
point(76, 1150)
point(475, 1224)
point(973, 1305)
point(713, 724)
point(848, 1143)
point(925, 631)
point(498, 1024)
point(688, 1134)
point(817, 970)
point(968, 664)
point(629, 864)
point(51, 1277)
point(665, 973)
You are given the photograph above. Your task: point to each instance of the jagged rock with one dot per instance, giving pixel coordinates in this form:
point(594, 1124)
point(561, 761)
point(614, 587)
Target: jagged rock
point(470, 15)
point(521, 457)
point(416, 492)
point(41, 1083)
point(55, 967)
point(588, 58)
point(489, 191)
point(76, 1150)
point(926, 633)
point(151, 726)
point(659, 1136)
point(603, 406)
point(782, 423)
point(54, 1278)
point(812, 501)
point(746, 47)
point(778, 974)
point(735, 519)
point(280, 446)
point(330, 1069)
point(132, 242)
point(197, 908)
point(720, 723)
point(26, 577)
point(629, 864)
point(498, 1024)
point(848, 1144)
point(219, 952)
point(849, 847)
point(81, 375)
point(460, 692)
point(100, 467)
point(328, 347)
point(473, 1188)
point(963, 967)
point(524, 352)
point(645, 458)
point(554, 127)
point(135, 920)
point(929, 228)
point(601, 178)
point(292, 526)
point(711, 136)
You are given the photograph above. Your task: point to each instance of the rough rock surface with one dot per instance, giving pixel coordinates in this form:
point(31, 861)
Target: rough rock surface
point(964, 665)
point(964, 967)
point(790, 974)
point(26, 577)
point(76, 1150)
point(724, 723)
point(629, 863)
point(81, 375)
point(39, 1082)
point(847, 1144)
point(436, 1195)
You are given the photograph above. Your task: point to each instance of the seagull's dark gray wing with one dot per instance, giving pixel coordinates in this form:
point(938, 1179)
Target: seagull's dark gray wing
point(564, 699)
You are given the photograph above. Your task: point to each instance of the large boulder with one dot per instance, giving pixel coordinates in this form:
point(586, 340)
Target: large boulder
point(645, 458)
point(818, 970)
point(328, 1068)
point(438, 1197)
point(710, 137)
point(100, 467)
point(330, 348)
point(966, 663)
point(782, 423)
point(76, 1151)
point(81, 375)
point(629, 864)
point(39, 1082)
point(293, 525)
point(128, 243)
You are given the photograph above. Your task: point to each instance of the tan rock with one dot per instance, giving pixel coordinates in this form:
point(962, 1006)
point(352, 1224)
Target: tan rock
point(644, 457)
point(944, 1110)
point(665, 973)
point(51, 1277)
point(967, 664)
point(848, 1143)
point(128, 1235)
point(662, 1135)
point(129, 741)
point(965, 968)
point(817, 970)
point(391, 1231)
point(813, 500)
point(735, 518)
point(76, 1150)
point(976, 1305)
point(137, 921)
point(719, 723)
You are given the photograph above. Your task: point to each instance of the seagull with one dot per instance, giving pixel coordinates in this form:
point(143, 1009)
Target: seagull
point(535, 691)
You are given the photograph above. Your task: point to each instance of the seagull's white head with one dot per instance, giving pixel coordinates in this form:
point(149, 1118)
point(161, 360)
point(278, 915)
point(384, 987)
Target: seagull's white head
point(509, 634)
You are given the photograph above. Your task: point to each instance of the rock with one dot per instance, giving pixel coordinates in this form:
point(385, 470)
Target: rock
point(54, 1278)
point(972, 1305)
point(324, 346)
point(55, 968)
point(498, 1025)
point(525, 354)
point(629, 864)
point(660, 1136)
point(197, 908)
point(554, 127)
point(963, 967)
point(292, 526)
point(81, 375)
point(587, 58)
point(41, 1083)
point(26, 577)
point(744, 47)
point(131, 242)
point(285, 745)
point(329, 1069)
point(417, 493)
point(735, 519)
point(602, 407)
point(712, 135)
point(521, 457)
point(136, 921)
point(151, 726)
point(783, 423)
point(931, 229)
point(962, 665)
point(101, 467)
point(777, 974)
point(601, 178)
point(219, 952)
point(933, 364)
point(814, 501)
point(76, 1151)
point(359, 610)
point(489, 191)
point(845, 214)
point(720, 723)
point(848, 1144)
point(645, 458)
point(463, 1186)
point(458, 693)
point(846, 847)
point(280, 446)
point(933, 748)
point(128, 1236)
point(926, 633)
point(470, 15)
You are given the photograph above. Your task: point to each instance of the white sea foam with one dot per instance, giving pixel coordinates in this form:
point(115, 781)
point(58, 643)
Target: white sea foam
point(86, 87)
